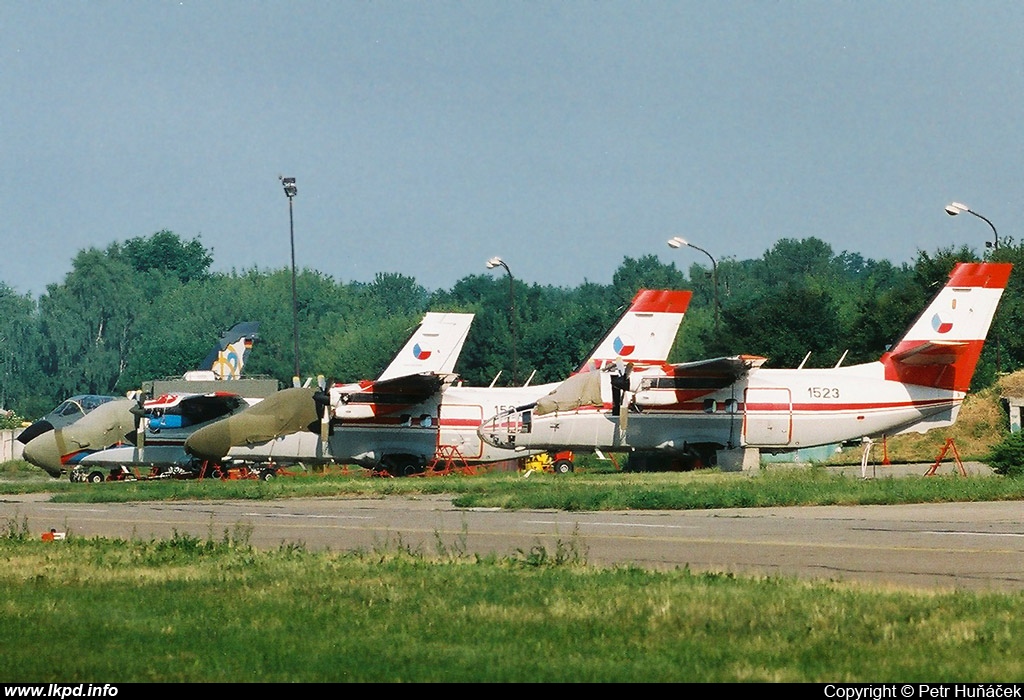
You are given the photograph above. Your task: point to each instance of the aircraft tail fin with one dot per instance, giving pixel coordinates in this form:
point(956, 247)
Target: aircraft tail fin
point(434, 346)
point(645, 332)
point(228, 356)
point(942, 347)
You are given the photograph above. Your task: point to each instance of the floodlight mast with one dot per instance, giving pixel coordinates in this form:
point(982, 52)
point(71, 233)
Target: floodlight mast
point(678, 242)
point(290, 190)
point(954, 208)
point(491, 264)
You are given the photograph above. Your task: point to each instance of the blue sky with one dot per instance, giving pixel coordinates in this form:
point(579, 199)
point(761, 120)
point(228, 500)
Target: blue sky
point(426, 137)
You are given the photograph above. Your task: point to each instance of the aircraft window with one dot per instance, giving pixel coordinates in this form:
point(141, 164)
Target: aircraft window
point(731, 405)
point(69, 408)
point(710, 405)
point(527, 422)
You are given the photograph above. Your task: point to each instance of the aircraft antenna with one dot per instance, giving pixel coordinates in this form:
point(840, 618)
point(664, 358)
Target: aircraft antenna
point(804, 361)
point(845, 353)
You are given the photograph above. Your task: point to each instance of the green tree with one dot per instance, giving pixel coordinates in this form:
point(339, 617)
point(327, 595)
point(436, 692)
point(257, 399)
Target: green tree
point(21, 377)
point(165, 252)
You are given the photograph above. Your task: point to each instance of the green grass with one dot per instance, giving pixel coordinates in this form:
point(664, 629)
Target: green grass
point(781, 486)
point(185, 610)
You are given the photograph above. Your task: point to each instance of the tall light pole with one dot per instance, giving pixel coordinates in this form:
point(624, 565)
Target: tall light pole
point(677, 242)
point(954, 208)
point(290, 190)
point(491, 264)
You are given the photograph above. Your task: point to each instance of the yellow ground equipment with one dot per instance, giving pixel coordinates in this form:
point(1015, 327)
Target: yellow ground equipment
point(553, 462)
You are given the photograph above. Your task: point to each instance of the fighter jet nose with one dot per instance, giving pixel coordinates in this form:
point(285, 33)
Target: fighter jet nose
point(211, 442)
point(43, 452)
point(33, 431)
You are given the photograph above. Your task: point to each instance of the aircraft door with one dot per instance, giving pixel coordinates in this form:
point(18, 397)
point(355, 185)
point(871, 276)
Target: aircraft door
point(768, 419)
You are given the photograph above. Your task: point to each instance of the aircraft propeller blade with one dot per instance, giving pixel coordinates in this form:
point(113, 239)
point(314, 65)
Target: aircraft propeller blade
point(323, 403)
point(138, 411)
point(620, 386)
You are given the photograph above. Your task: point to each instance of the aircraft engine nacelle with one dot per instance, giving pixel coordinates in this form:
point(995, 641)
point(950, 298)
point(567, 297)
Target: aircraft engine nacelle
point(655, 392)
point(358, 411)
point(655, 398)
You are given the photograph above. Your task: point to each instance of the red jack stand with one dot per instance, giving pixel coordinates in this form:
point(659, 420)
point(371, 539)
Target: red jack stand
point(956, 455)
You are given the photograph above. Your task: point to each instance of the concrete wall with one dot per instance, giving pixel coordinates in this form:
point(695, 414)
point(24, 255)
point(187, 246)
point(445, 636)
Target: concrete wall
point(9, 447)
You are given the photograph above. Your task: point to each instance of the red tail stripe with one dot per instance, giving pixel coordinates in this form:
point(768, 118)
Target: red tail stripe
point(661, 301)
point(987, 275)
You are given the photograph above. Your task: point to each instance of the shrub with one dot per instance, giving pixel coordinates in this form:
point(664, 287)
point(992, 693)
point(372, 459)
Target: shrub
point(1007, 457)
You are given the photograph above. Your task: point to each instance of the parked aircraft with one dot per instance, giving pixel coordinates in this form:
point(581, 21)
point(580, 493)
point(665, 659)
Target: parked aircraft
point(82, 425)
point(728, 402)
point(168, 420)
point(66, 412)
point(403, 424)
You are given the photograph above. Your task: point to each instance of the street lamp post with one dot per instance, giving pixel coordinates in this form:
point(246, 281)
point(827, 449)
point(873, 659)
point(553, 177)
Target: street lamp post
point(290, 190)
point(954, 208)
point(496, 262)
point(677, 242)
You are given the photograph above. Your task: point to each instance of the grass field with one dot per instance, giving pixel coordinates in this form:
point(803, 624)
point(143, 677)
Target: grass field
point(185, 610)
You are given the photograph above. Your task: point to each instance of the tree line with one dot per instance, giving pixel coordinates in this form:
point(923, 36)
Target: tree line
point(150, 307)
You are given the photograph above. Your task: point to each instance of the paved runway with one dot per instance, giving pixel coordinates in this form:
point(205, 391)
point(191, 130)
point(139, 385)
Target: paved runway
point(977, 546)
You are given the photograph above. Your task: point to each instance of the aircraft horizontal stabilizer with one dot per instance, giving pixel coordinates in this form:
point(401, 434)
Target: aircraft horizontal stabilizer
point(935, 352)
point(413, 388)
point(734, 367)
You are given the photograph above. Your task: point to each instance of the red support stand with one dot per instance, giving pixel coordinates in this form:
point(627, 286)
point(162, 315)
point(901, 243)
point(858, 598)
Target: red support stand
point(950, 445)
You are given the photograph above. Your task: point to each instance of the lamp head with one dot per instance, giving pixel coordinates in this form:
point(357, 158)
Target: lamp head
point(677, 242)
point(954, 208)
point(290, 189)
point(494, 262)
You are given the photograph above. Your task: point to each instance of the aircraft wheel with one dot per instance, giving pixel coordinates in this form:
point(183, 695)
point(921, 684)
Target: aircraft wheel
point(403, 465)
point(563, 466)
point(267, 474)
point(95, 477)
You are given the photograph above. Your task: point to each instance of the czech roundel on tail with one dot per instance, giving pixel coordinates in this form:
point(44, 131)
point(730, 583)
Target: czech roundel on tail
point(731, 402)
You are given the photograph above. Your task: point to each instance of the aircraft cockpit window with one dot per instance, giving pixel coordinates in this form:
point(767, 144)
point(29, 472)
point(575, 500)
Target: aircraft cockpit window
point(68, 408)
point(91, 402)
point(710, 405)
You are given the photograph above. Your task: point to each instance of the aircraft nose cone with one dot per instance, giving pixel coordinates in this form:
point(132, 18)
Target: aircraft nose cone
point(211, 442)
point(42, 451)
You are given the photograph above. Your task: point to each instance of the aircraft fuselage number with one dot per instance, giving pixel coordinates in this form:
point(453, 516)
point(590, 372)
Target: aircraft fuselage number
point(823, 392)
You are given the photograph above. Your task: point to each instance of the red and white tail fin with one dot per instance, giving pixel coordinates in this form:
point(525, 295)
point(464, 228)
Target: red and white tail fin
point(644, 334)
point(434, 346)
point(943, 345)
